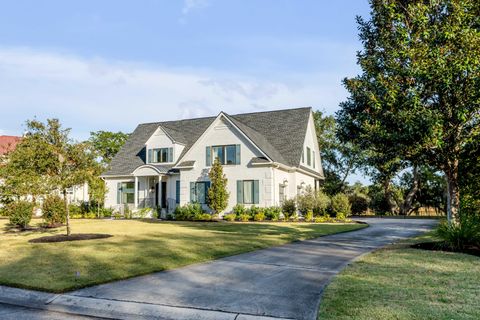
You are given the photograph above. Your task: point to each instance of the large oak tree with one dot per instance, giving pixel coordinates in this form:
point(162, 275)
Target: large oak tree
point(418, 96)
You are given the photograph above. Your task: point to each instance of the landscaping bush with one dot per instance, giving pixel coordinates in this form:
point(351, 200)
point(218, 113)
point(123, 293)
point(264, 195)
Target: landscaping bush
point(289, 208)
point(53, 210)
point(90, 215)
point(341, 216)
point(202, 217)
point(462, 235)
point(76, 216)
point(306, 201)
point(359, 202)
point(230, 217)
point(143, 213)
point(188, 211)
point(340, 204)
point(273, 213)
point(104, 212)
point(254, 210)
point(322, 203)
point(74, 209)
point(244, 217)
point(20, 213)
point(239, 209)
point(323, 219)
point(308, 216)
point(260, 216)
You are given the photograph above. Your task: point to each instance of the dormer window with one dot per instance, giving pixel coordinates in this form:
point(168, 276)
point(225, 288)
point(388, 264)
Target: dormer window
point(160, 155)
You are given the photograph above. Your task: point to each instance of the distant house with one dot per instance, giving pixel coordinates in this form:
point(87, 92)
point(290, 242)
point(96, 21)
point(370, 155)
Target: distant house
point(76, 194)
point(266, 156)
point(8, 144)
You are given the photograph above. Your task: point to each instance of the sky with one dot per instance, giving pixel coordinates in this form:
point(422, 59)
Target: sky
point(111, 64)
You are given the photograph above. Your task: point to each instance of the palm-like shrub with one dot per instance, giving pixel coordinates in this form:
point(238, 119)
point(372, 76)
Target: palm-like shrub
point(461, 235)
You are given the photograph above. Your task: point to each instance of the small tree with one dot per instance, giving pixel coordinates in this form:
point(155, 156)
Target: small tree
point(67, 163)
point(217, 194)
point(322, 203)
point(306, 200)
point(340, 204)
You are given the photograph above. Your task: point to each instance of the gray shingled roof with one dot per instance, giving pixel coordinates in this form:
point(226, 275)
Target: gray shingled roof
point(280, 134)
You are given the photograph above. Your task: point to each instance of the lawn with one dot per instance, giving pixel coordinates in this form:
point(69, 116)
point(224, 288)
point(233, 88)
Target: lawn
point(136, 248)
point(403, 283)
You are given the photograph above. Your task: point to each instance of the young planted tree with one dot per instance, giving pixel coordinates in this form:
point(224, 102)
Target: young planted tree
point(67, 163)
point(217, 194)
point(418, 95)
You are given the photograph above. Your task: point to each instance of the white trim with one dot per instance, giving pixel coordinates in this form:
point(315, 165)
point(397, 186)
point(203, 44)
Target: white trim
point(147, 166)
point(116, 176)
point(212, 125)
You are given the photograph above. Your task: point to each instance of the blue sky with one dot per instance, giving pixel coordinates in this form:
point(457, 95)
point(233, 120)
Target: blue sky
point(113, 64)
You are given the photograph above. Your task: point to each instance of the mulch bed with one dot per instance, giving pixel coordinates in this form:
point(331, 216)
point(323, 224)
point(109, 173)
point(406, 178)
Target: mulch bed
point(441, 246)
point(72, 237)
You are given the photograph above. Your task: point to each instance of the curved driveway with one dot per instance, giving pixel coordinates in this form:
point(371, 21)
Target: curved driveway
point(283, 282)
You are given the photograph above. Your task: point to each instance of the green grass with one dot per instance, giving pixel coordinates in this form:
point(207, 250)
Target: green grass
point(136, 248)
point(403, 283)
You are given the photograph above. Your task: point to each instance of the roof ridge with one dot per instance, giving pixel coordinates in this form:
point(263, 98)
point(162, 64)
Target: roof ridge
point(232, 115)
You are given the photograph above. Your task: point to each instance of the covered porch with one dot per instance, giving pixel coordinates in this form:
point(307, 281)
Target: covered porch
point(151, 188)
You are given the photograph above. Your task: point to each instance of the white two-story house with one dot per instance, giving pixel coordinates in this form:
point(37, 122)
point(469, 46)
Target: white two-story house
point(267, 157)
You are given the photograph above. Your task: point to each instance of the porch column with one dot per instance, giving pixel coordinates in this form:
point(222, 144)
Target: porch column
point(136, 192)
point(160, 192)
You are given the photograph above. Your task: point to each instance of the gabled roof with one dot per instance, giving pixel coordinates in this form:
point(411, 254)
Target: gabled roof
point(279, 134)
point(8, 143)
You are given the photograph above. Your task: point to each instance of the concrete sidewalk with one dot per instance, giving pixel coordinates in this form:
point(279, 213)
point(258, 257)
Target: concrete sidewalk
point(282, 282)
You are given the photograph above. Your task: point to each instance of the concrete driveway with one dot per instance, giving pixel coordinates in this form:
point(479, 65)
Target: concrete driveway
point(283, 282)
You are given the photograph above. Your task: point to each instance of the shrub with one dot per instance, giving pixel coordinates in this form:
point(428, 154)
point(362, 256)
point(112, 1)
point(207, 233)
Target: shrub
point(260, 216)
point(306, 201)
point(340, 204)
point(75, 209)
point(341, 216)
point(289, 208)
point(20, 213)
point(143, 213)
point(188, 211)
point(273, 213)
point(76, 216)
point(239, 209)
point(244, 217)
point(202, 217)
point(322, 203)
point(308, 216)
point(53, 210)
point(254, 210)
point(105, 212)
point(230, 217)
point(359, 202)
point(459, 236)
point(323, 219)
point(90, 215)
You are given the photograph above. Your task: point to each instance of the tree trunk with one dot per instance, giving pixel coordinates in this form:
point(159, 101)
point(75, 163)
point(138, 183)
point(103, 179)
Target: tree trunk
point(67, 211)
point(406, 206)
point(388, 196)
point(453, 193)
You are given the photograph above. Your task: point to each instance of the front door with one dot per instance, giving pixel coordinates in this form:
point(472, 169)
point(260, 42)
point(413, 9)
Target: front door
point(164, 194)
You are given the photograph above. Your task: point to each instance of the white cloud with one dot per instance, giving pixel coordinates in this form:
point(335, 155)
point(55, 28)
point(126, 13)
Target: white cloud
point(94, 94)
point(189, 5)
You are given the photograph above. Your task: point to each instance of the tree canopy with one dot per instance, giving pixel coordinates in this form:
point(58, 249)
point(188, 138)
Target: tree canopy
point(418, 96)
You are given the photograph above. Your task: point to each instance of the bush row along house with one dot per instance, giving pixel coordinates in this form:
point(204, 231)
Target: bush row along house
point(266, 156)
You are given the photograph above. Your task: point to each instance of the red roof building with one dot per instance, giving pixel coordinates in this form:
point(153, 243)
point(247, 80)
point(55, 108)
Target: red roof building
point(8, 143)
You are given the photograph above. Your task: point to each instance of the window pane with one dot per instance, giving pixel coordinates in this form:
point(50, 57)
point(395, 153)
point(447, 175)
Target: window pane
point(130, 197)
point(164, 155)
point(231, 154)
point(309, 156)
point(247, 192)
point(201, 192)
point(218, 153)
